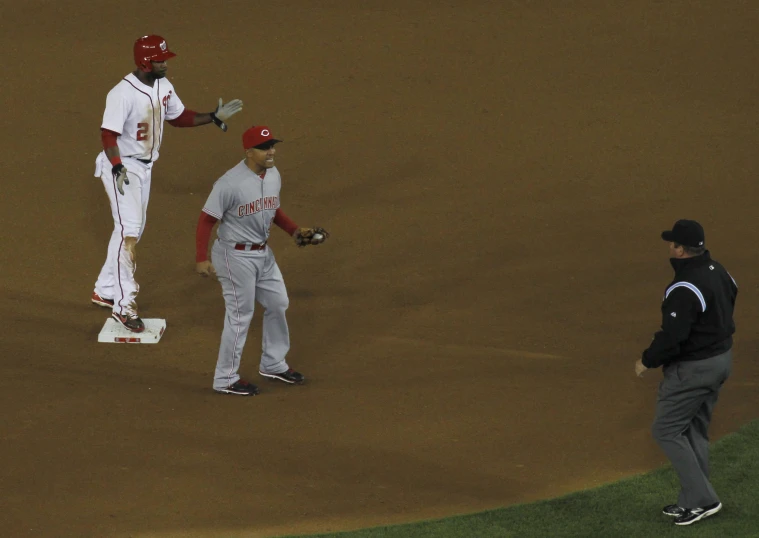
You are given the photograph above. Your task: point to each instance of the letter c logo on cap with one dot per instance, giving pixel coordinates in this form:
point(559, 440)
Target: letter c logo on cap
point(265, 132)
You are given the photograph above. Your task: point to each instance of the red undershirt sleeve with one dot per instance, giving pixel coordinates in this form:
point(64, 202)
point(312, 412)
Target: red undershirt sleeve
point(284, 222)
point(108, 138)
point(202, 235)
point(185, 119)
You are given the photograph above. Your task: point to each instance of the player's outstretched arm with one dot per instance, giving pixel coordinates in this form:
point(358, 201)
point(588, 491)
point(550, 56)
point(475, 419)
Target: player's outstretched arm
point(223, 112)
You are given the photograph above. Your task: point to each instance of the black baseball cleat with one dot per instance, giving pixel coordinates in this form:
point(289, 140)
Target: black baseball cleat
point(101, 301)
point(131, 322)
point(692, 515)
point(290, 376)
point(673, 510)
point(241, 388)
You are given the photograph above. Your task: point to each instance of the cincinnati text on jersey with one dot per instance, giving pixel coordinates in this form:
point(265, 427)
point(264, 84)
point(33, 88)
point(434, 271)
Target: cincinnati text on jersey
point(269, 202)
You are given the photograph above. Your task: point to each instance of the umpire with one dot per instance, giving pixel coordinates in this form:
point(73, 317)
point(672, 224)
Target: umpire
point(694, 349)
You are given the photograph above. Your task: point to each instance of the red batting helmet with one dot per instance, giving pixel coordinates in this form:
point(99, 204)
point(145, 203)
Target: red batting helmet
point(151, 48)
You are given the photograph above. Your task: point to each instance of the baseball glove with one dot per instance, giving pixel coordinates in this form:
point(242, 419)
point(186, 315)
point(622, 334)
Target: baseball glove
point(310, 236)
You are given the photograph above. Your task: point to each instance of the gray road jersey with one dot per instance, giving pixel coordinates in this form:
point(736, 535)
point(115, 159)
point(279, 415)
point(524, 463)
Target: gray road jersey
point(245, 204)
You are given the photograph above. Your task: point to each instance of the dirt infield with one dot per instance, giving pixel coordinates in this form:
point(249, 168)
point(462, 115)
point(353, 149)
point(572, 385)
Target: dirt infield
point(494, 175)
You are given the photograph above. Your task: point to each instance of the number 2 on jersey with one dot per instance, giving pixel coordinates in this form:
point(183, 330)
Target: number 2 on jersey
point(142, 131)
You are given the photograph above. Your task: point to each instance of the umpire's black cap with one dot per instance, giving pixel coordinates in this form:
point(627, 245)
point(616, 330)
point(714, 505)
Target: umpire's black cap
point(688, 233)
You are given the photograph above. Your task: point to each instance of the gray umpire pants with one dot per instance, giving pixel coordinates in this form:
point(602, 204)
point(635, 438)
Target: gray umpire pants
point(684, 407)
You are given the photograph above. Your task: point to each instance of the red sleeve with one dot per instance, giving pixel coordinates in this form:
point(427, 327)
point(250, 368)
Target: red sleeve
point(202, 235)
point(108, 138)
point(284, 222)
point(185, 119)
point(109, 141)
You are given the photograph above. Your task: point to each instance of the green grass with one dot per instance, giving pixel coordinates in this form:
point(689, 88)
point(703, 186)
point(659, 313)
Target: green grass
point(629, 508)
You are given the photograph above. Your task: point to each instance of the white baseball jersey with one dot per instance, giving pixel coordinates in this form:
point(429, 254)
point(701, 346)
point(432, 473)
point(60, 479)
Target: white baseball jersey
point(137, 111)
point(245, 204)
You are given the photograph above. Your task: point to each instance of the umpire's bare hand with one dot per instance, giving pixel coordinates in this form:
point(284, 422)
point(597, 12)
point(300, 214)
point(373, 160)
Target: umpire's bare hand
point(205, 269)
point(640, 368)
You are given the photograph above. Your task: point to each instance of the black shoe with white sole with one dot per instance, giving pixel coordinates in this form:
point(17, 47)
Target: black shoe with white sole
point(241, 388)
point(673, 510)
point(290, 376)
point(131, 322)
point(692, 515)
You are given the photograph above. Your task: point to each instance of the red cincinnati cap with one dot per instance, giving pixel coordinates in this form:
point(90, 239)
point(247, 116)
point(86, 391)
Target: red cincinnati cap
point(257, 136)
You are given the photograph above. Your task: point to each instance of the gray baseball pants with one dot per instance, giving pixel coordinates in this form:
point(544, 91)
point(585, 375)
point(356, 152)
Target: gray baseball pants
point(684, 407)
point(247, 277)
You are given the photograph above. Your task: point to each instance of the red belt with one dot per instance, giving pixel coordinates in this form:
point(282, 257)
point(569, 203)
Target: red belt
point(249, 246)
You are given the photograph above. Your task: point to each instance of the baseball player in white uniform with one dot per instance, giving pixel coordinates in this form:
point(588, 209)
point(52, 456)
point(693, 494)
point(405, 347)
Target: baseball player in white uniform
point(246, 199)
point(131, 133)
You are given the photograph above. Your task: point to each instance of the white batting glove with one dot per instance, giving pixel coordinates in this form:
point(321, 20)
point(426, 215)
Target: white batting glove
point(120, 176)
point(224, 112)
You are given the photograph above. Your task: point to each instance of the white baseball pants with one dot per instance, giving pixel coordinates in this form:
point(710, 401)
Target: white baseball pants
point(129, 210)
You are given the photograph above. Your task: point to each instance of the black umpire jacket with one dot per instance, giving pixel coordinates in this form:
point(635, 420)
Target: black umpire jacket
point(697, 313)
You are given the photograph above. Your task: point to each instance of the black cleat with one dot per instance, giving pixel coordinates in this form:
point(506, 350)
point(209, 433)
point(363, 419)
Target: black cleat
point(290, 376)
point(673, 510)
point(692, 515)
point(241, 388)
point(131, 322)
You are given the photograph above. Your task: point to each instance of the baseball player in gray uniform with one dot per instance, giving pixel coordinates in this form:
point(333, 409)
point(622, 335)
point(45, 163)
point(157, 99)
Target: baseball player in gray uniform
point(246, 200)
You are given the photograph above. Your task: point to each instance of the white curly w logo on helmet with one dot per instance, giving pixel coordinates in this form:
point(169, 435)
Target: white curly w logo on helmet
point(163, 46)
